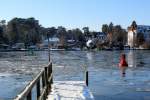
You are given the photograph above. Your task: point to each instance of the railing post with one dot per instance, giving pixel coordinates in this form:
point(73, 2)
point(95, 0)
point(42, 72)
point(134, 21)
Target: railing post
point(29, 96)
point(48, 71)
point(48, 51)
point(86, 78)
point(50, 75)
point(38, 89)
point(43, 84)
point(51, 71)
point(46, 80)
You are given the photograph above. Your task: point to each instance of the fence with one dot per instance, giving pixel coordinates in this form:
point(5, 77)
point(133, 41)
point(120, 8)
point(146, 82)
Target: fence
point(42, 82)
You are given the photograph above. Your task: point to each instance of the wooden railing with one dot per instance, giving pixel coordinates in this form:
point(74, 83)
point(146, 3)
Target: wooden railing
point(42, 82)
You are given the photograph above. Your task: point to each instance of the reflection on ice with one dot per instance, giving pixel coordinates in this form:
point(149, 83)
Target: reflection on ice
point(131, 59)
point(89, 56)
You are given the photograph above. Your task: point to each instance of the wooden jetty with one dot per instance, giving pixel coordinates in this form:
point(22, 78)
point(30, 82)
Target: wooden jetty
point(46, 89)
point(70, 90)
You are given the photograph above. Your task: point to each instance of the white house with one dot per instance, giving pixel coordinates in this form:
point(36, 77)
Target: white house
point(100, 37)
point(131, 37)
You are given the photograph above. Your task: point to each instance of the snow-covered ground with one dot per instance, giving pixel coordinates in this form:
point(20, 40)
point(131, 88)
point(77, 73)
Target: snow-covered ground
point(70, 90)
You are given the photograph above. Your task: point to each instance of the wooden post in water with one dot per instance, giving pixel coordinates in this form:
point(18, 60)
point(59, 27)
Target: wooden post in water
point(86, 75)
point(87, 79)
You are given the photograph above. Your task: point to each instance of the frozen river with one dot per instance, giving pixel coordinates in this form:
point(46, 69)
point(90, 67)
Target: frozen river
point(105, 81)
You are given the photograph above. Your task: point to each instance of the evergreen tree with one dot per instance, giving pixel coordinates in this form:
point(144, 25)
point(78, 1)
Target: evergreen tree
point(105, 28)
point(134, 25)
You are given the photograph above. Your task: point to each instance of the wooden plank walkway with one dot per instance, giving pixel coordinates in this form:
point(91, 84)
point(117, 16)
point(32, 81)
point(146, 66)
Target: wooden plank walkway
point(70, 90)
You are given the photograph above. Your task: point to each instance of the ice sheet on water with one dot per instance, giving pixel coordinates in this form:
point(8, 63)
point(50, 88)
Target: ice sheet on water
point(11, 83)
point(102, 66)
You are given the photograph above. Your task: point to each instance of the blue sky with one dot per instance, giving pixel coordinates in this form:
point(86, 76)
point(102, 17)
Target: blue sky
point(78, 13)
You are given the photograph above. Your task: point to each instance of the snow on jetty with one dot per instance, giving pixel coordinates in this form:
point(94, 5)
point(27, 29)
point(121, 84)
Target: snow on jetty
point(70, 90)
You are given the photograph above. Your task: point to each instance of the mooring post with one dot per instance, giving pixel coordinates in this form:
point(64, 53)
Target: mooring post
point(86, 75)
point(87, 79)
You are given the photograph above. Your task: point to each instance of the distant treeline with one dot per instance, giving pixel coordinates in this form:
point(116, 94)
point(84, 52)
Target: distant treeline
point(30, 32)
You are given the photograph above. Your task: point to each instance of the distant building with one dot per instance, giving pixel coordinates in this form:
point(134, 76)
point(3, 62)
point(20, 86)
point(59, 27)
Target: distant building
point(131, 37)
point(18, 46)
point(101, 36)
point(53, 42)
point(145, 29)
point(132, 34)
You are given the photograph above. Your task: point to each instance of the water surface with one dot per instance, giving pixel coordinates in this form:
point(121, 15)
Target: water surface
point(105, 81)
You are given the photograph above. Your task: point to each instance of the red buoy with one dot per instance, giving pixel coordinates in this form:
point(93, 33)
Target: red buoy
point(123, 62)
point(123, 65)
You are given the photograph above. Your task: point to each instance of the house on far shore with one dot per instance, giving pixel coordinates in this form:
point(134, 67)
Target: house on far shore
point(53, 42)
point(133, 33)
point(101, 36)
point(96, 40)
point(18, 46)
point(131, 37)
point(145, 29)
